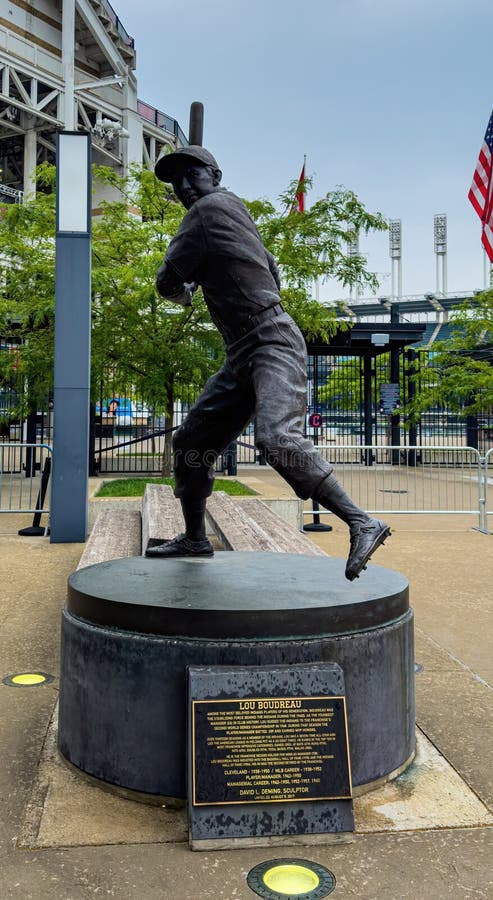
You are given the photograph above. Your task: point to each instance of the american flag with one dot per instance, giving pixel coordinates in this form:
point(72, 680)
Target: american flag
point(481, 192)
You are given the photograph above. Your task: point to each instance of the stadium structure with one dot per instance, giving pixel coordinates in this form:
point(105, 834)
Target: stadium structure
point(70, 64)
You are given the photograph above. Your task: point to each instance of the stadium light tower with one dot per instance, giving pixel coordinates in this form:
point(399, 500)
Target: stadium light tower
point(395, 253)
point(440, 235)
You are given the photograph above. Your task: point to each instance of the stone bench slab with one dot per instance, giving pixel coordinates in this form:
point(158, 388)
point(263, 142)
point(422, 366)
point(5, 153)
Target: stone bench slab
point(242, 525)
point(116, 534)
point(162, 517)
point(251, 525)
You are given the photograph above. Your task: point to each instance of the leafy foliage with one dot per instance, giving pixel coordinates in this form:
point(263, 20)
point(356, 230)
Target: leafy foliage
point(313, 245)
point(459, 372)
point(27, 300)
point(343, 386)
point(159, 348)
point(142, 340)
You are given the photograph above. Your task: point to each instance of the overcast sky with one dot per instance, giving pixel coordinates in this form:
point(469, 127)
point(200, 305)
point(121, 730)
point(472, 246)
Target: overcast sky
point(390, 98)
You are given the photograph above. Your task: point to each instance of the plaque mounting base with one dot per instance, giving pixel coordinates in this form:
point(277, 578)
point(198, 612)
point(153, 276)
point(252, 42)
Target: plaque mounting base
point(132, 627)
point(271, 756)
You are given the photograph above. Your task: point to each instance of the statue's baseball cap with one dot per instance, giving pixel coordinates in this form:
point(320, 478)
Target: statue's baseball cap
point(169, 164)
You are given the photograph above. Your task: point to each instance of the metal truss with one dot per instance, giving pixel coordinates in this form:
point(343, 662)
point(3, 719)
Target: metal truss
point(13, 193)
point(24, 90)
point(32, 102)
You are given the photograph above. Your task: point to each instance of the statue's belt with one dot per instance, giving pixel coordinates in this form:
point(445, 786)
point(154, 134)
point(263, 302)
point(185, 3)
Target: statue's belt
point(241, 329)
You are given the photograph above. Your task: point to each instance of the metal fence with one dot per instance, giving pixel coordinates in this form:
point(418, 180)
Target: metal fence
point(129, 433)
point(447, 480)
point(145, 454)
point(336, 390)
point(416, 479)
point(22, 468)
point(488, 488)
point(130, 437)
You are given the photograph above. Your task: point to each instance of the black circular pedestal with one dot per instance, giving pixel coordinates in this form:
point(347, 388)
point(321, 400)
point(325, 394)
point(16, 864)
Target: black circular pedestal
point(132, 627)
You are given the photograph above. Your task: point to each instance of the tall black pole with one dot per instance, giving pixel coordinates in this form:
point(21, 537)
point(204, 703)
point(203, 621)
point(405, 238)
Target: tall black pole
point(316, 524)
point(368, 408)
point(31, 439)
point(411, 393)
point(395, 423)
point(472, 431)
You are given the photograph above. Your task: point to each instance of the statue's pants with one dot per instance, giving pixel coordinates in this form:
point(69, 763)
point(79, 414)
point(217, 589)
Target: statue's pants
point(263, 378)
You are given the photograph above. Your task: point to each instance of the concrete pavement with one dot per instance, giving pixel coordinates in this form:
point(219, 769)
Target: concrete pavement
point(450, 568)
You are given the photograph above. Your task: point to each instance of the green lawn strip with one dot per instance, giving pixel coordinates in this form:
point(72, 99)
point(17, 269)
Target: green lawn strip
point(135, 487)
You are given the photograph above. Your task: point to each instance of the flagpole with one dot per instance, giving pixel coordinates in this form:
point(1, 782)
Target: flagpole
point(304, 179)
point(317, 279)
point(486, 271)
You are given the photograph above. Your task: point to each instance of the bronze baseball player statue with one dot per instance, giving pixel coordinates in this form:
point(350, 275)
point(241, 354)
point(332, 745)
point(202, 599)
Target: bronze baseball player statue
point(264, 376)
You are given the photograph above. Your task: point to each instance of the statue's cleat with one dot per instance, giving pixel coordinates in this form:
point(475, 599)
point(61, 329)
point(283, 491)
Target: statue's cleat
point(365, 539)
point(181, 546)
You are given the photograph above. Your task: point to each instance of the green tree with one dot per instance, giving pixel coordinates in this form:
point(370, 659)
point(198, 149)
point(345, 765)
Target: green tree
point(156, 347)
point(313, 245)
point(163, 351)
point(141, 341)
point(348, 374)
point(459, 372)
point(27, 279)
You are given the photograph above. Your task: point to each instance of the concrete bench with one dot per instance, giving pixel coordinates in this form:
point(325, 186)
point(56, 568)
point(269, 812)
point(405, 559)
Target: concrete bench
point(162, 517)
point(116, 533)
point(251, 525)
point(238, 524)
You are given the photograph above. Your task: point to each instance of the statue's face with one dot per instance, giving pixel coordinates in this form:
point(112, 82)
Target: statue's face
point(193, 183)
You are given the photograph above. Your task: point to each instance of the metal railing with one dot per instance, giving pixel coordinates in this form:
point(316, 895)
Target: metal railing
point(154, 461)
point(7, 191)
point(162, 120)
point(116, 22)
point(21, 468)
point(414, 479)
point(487, 490)
point(391, 479)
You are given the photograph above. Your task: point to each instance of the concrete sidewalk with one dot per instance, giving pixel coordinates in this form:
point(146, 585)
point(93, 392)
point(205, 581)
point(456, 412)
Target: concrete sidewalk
point(450, 568)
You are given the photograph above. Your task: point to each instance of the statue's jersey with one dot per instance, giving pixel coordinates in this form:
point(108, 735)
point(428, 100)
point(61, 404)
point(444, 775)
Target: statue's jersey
point(219, 247)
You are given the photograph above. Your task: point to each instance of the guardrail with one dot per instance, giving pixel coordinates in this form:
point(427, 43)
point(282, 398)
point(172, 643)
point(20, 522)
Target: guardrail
point(162, 120)
point(488, 493)
point(21, 468)
point(115, 20)
point(413, 479)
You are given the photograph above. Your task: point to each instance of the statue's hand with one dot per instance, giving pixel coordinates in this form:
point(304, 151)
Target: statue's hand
point(182, 297)
point(170, 286)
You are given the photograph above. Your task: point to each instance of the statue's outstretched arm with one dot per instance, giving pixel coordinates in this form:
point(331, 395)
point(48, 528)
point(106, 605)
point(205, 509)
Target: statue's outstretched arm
point(171, 286)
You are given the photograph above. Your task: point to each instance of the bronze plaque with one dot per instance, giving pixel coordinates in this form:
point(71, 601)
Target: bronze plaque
point(269, 750)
